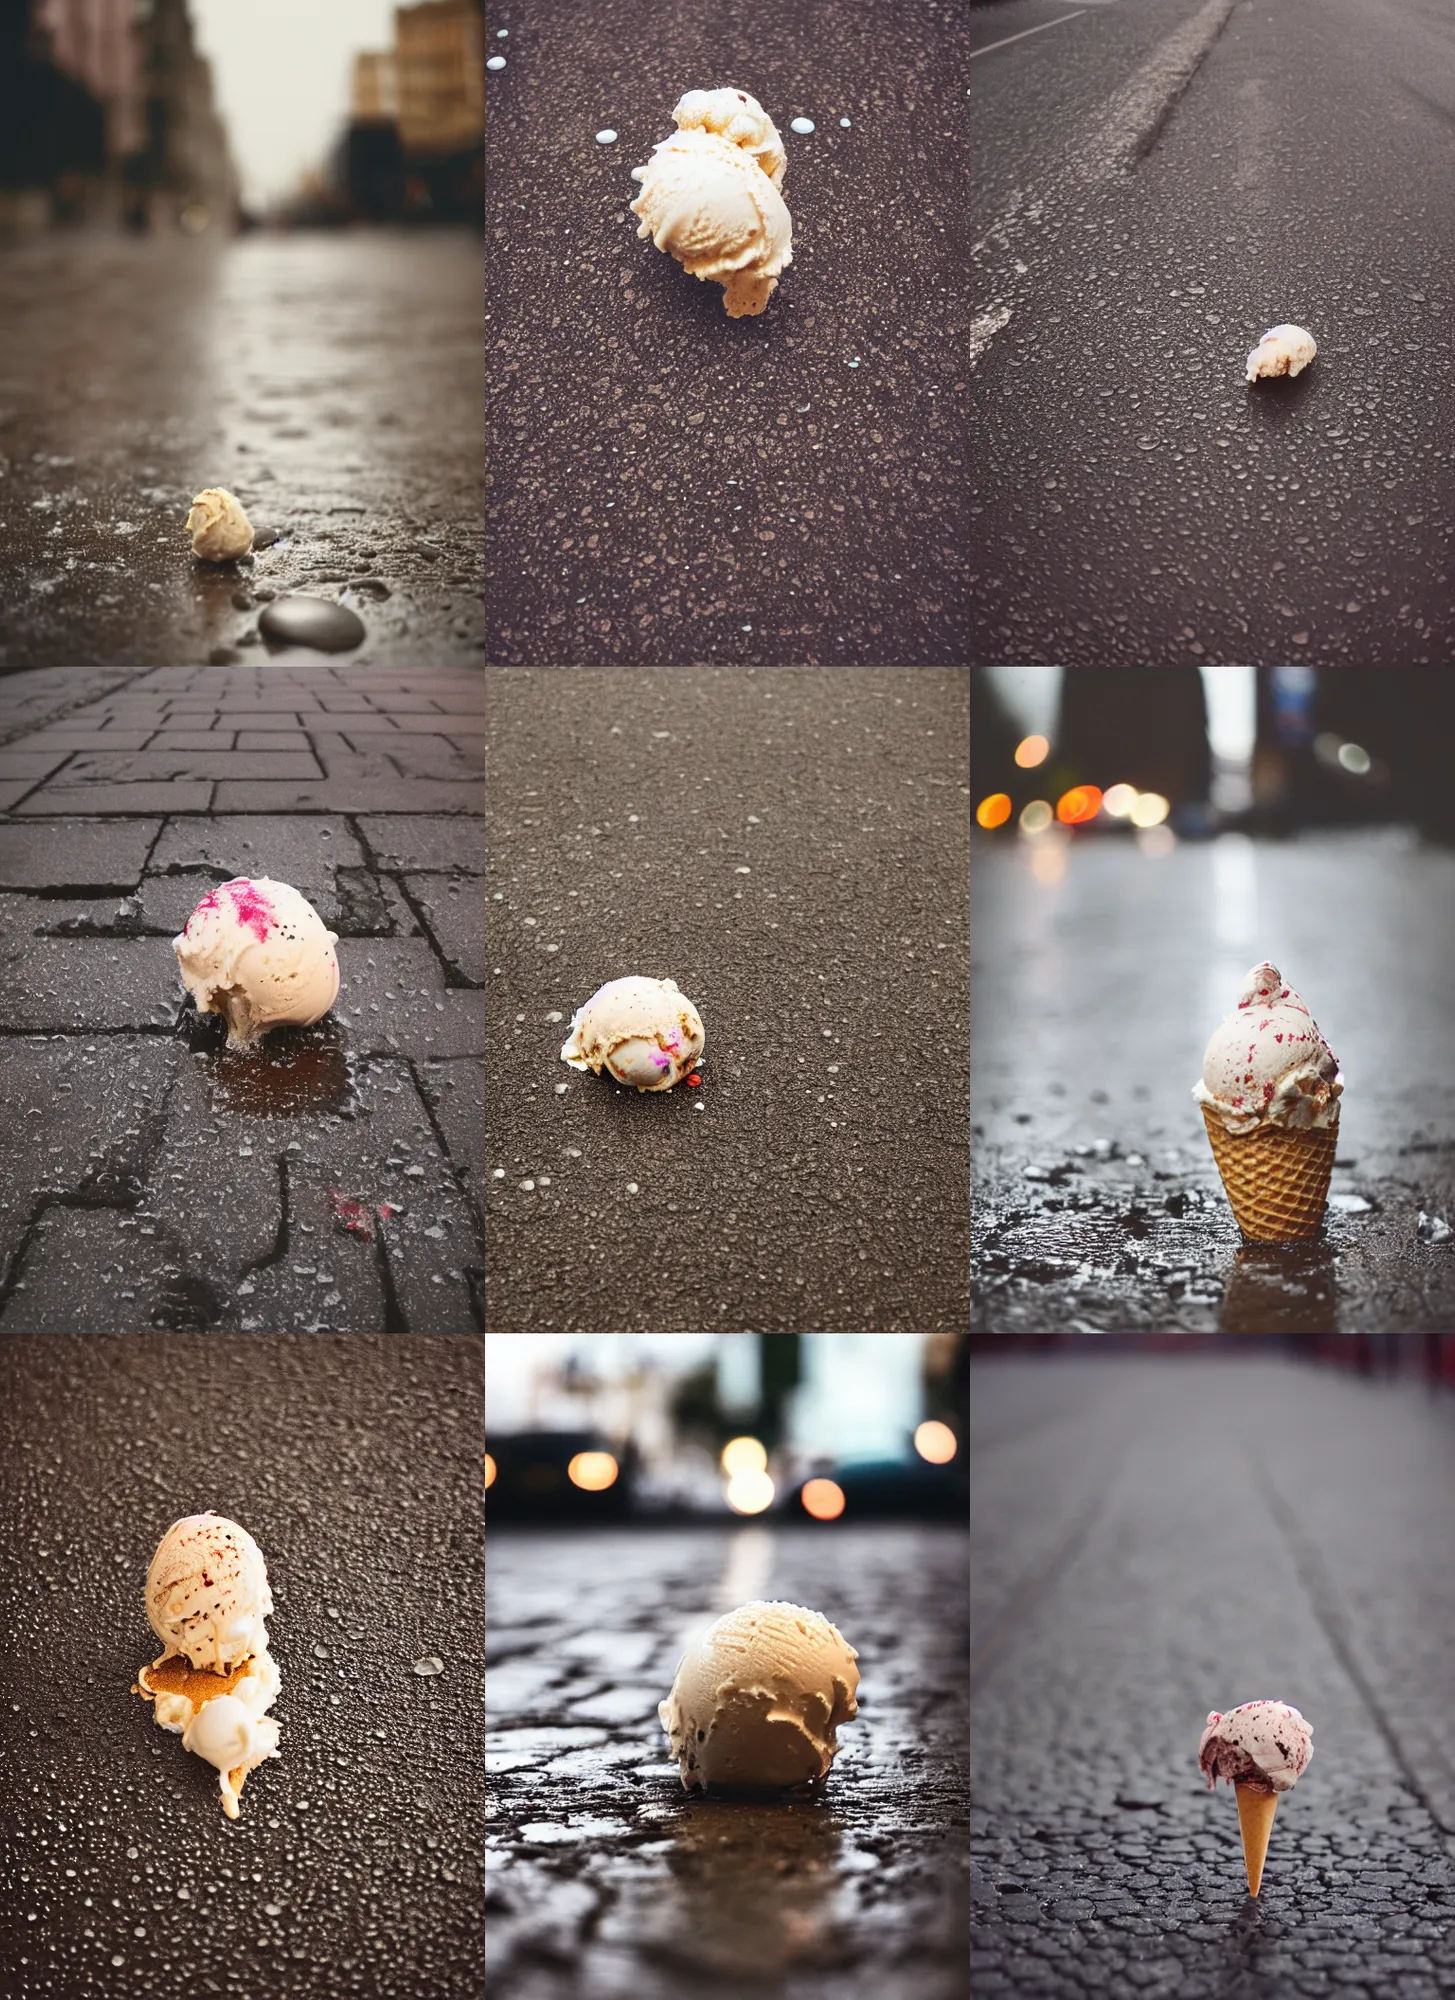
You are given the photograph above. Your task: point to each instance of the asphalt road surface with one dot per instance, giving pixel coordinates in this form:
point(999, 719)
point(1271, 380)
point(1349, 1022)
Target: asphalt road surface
point(353, 1869)
point(790, 848)
point(1095, 1200)
point(331, 380)
point(1158, 181)
point(605, 1880)
point(1152, 1540)
point(668, 485)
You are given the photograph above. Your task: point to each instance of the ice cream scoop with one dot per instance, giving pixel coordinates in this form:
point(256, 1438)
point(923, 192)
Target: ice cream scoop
point(643, 1031)
point(1268, 1064)
point(741, 120)
point(1283, 350)
point(710, 196)
point(207, 1596)
point(758, 1699)
point(219, 528)
point(1260, 1748)
point(256, 952)
point(207, 1593)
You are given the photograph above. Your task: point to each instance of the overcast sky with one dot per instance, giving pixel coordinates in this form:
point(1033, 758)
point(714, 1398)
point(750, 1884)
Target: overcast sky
point(281, 71)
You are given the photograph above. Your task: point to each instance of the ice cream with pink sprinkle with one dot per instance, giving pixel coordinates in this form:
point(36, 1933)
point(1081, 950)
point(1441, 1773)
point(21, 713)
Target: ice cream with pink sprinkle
point(257, 953)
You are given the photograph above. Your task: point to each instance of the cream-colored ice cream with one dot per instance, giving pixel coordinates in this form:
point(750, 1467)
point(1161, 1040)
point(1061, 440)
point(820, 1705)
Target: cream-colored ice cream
point(1268, 1064)
point(710, 195)
point(758, 1699)
point(740, 119)
point(256, 952)
point(219, 528)
point(207, 1596)
point(1283, 350)
point(643, 1031)
point(207, 1593)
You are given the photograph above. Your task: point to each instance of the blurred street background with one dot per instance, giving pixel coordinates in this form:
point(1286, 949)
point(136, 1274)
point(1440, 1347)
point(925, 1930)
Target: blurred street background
point(638, 1487)
point(1155, 1537)
point(239, 247)
point(1143, 838)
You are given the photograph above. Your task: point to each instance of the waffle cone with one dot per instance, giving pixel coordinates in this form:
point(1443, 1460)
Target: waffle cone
point(1255, 1820)
point(1276, 1181)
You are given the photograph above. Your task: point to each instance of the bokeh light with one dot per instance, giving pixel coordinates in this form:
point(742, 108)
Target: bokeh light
point(1355, 759)
point(489, 1470)
point(592, 1471)
point(1036, 817)
point(995, 810)
point(1032, 750)
point(1080, 804)
point(936, 1442)
point(1150, 810)
point(823, 1499)
point(1118, 800)
point(743, 1455)
point(749, 1492)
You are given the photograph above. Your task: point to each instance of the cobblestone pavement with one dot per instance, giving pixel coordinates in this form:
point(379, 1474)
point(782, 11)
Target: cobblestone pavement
point(790, 848)
point(330, 380)
point(151, 1179)
point(1095, 1198)
point(1155, 1539)
point(606, 1881)
point(353, 1870)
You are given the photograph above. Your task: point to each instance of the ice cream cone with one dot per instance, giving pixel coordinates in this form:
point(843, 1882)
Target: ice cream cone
point(1276, 1180)
point(1255, 1819)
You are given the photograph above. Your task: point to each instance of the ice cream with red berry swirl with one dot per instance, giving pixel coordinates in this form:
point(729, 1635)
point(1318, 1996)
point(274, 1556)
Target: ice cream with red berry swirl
point(1265, 1744)
point(1267, 1064)
point(256, 952)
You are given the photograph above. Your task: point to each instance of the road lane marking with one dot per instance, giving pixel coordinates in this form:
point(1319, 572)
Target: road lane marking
point(992, 46)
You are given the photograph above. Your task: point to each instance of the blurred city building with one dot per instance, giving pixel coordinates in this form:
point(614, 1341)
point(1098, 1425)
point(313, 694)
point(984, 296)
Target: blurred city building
point(106, 112)
point(809, 1424)
point(414, 146)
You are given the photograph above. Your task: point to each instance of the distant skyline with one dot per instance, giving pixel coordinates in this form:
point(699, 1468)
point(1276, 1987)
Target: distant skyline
point(281, 71)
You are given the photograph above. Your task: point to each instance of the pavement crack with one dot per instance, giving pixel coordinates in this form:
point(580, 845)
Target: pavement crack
point(283, 1232)
point(394, 1320)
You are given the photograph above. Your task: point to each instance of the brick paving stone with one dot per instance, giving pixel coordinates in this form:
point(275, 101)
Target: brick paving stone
point(306, 848)
point(435, 845)
point(58, 985)
point(32, 764)
point(140, 766)
point(188, 795)
point(350, 794)
point(1154, 1540)
point(455, 1092)
point(81, 1123)
point(99, 855)
point(13, 791)
point(455, 915)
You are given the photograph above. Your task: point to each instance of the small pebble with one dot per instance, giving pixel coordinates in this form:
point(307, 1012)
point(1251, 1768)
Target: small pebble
point(846, 122)
point(605, 137)
point(802, 125)
point(496, 62)
point(312, 621)
point(429, 1665)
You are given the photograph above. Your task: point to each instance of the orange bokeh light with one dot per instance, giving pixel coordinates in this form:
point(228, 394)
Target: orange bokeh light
point(936, 1442)
point(995, 810)
point(489, 1470)
point(1081, 803)
point(592, 1471)
point(823, 1499)
point(1032, 750)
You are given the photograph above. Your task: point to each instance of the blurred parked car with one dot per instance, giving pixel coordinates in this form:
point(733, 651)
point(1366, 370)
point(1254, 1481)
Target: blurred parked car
point(555, 1476)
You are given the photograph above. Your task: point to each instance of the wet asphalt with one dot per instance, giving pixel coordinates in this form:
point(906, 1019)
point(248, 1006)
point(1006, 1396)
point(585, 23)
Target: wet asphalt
point(1096, 1204)
point(604, 1878)
point(790, 848)
point(1135, 499)
point(1153, 1540)
point(330, 380)
point(668, 485)
point(353, 1869)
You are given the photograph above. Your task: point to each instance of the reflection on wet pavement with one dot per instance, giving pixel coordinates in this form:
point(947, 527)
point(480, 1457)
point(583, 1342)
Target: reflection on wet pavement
point(331, 381)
